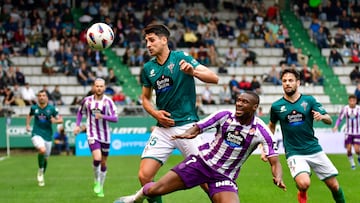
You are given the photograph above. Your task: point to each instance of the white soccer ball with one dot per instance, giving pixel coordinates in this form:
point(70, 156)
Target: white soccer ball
point(100, 36)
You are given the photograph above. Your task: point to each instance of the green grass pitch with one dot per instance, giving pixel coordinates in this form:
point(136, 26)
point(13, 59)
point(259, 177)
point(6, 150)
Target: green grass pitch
point(70, 178)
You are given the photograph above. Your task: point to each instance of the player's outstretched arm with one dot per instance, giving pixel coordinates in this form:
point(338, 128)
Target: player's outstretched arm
point(188, 134)
point(277, 172)
point(201, 72)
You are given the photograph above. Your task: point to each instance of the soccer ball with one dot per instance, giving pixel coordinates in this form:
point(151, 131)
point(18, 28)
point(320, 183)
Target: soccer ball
point(99, 36)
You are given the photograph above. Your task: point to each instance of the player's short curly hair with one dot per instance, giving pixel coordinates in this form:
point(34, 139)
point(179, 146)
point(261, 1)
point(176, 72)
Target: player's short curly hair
point(292, 71)
point(157, 29)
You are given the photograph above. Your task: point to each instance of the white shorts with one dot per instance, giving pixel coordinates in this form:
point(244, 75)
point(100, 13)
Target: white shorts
point(160, 145)
point(39, 142)
point(319, 163)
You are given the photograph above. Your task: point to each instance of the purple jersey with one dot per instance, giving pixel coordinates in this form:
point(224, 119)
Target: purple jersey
point(352, 116)
point(233, 142)
point(98, 129)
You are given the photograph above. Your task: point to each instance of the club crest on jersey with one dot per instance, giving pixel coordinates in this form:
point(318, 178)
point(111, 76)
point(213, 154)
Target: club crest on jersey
point(283, 109)
point(171, 67)
point(152, 73)
point(304, 104)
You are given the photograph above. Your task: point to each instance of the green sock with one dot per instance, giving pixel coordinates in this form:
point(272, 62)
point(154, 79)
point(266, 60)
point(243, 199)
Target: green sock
point(156, 199)
point(45, 165)
point(339, 196)
point(41, 160)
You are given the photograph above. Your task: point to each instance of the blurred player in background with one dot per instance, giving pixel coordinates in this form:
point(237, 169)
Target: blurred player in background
point(171, 74)
point(218, 164)
point(351, 113)
point(42, 133)
point(296, 113)
point(100, 110)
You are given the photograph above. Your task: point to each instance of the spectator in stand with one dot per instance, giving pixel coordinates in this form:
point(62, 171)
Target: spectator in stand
point(257, 30)
point(60, 56)
point(201, 30)
point(112, 79)
point(53, 45)
point(84, 76)
point(47, 66)
point(208, 40)
point(207, 96)
point(231, 57)
point(213, 29)
point(314, 27)
point(321, 39)
point(137, 59)
point(357, 93)
point(349, 38)
point(355, 53)
point(213, 55)
point(280, 39)
point(225, 95)
point(355, 75)
point(339, 39)
point(119, 98)
point(247, 57)
point(17, 94)
point(344, 20)
point(190, 38)
point(273, 76)
point(66, 68)
point(9, 98)
point(243, 39)
point(56, 95)
point(133, 38)
point(244, 84)
point(234, 87)
point(101, 71)
point(305, 76)
point(335, 58)
point(302, 58)
point(19, 37)
point(75, 104)
point(203, 56)
point(11, 75)
point(255, 85)
point(226, 31)
point(317, 76)
point(20, 77)
point(28, 95)
point(292, 57)
point(241, 21)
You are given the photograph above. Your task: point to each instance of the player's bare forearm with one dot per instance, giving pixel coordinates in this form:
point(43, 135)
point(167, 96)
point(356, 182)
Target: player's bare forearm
point(206, 75)
point(327, 119)
point(272, 127)
point(189, 133)
point(277, 172)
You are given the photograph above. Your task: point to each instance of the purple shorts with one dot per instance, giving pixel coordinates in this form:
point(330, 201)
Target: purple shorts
point(352, 139)
point(194, 171)
point(104, 147)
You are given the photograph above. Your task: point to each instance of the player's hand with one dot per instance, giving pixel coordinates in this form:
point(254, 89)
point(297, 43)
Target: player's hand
point(263, 157)
point(335, 129)
point(186, 67)
point(163, 117)
point(278, 182)
point(183, 136)
point(317, 116)
point(28, 128)
point(76, 130)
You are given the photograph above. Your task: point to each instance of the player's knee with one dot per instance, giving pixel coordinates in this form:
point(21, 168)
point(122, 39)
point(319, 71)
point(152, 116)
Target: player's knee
point(144, 177)
point(303, 184)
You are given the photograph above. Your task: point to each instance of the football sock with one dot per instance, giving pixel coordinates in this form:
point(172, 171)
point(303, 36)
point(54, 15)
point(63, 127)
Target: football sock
point(302, 196)
point(45, 165)
point(102, 175)
point(351, 160)
point(96, 167)
point(144, 191)
point(156, 199)
point(339, 196)
point(41, 160)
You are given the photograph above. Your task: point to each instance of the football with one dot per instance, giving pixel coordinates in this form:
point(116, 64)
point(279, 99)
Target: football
point(99, 36)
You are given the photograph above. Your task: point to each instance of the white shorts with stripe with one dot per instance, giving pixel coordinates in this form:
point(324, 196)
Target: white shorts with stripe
point(39, 142)
point(160, 146)
point(319, 163)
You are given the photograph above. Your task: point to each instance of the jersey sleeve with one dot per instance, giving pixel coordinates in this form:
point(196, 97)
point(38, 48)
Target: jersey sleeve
point(188, 58)
point(268, 139)
point(273, 115)
point(145, 80)
point(317, 106)
point(32, 110)
point(213, 120)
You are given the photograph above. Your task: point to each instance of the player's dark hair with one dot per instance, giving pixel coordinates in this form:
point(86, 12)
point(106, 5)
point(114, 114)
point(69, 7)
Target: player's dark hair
point(256, 96)
point(41, 91)
point(352, 96)
point(157, 29)
point(292, 71)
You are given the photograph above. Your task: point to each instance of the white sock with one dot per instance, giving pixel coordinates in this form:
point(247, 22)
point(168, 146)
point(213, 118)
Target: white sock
point(97, 173)
point(351, 160)
point(102, 177)
point(139, 194)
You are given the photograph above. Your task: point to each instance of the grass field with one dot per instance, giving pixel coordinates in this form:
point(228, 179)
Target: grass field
point(70, 178)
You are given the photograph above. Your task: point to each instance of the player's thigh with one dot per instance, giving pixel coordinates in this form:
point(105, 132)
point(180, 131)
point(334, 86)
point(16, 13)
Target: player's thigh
point(48, 146)
point(38, 142)
point(148, 169)
point(322, 166)
point(225, 197)
point(297, 164)
point(159, 145)
point(186, 146)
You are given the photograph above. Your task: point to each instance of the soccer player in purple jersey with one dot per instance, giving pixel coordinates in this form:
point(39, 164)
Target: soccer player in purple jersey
point(218, 163)
point(100, 110)
point(351, 113)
